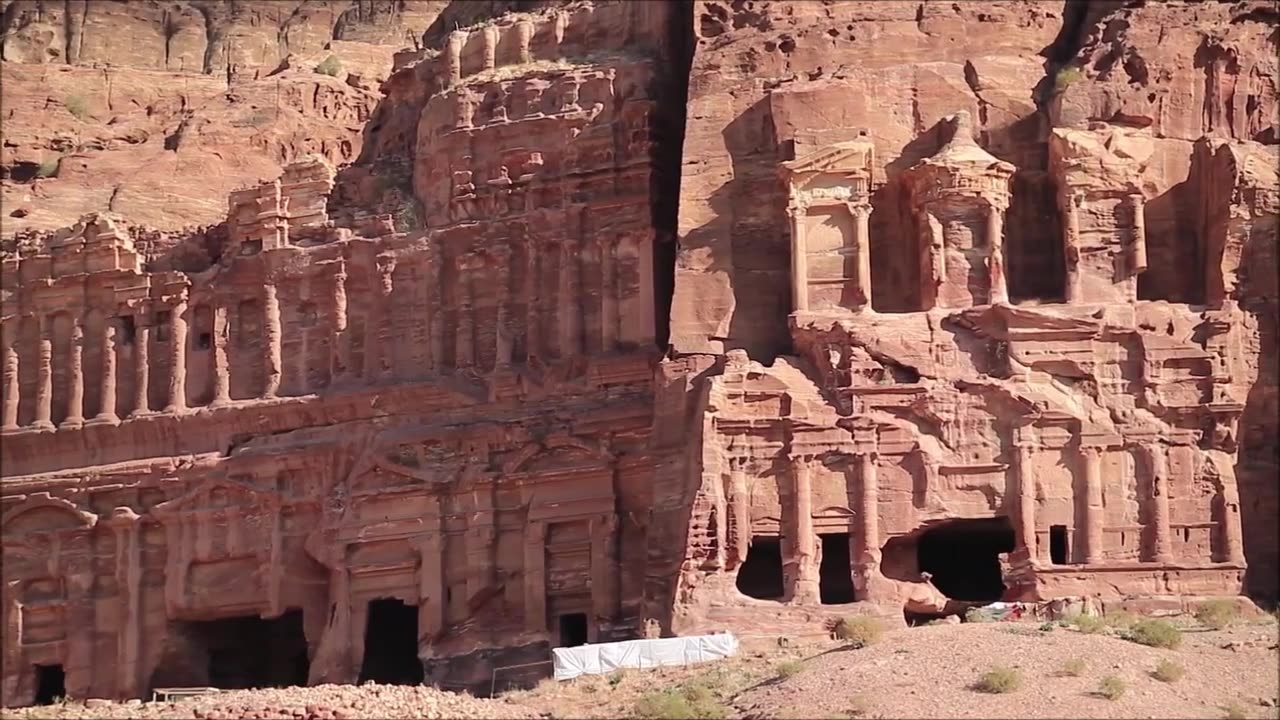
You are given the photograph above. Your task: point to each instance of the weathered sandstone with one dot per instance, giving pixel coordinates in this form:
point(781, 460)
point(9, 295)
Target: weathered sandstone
point(602, 320)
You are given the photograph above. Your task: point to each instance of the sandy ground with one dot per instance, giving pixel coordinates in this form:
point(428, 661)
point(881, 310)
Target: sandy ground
point(924, 672)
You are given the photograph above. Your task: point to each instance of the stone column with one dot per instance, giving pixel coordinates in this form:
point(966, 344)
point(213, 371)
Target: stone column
point(1071, 246)
point(1158, 466)
point(740, 504)
point(490, 47)
point(107, 413)
point(1091, 458)
point(431, 608)
point(75, 394)
point(141, 370)
point(799, 260)
point(604, 574)
point(1025, 480)
point(178, 358)
point(868, 511)
point(377, 333)
point(568, 308)
point(999, 292)
point(806, 583)
point(453, 56)
point(221, 366)
point(535, 576)
point(524, 40)
point(862, 242)
point(124, 524)
point(272, 361)
point(1232, 533)
point(340, 355)
point(12, 388)
point(1138, 251)
point(44, 378)
point(608, 296)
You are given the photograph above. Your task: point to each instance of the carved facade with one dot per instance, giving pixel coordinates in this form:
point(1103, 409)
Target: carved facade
point(469, 430)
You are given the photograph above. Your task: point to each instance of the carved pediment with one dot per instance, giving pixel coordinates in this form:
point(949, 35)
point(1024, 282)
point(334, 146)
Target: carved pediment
point(842, 158)
point(218, 494)
point(43, 513)
point(558, 453)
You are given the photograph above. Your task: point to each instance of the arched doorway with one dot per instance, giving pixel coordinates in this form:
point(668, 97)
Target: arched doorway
point(963, 557)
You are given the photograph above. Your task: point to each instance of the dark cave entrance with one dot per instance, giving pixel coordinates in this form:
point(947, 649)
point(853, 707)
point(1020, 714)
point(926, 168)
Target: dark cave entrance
point(237, 653)
point(391, 644)
point(51, 684)
point(761, 573)
point(573, 629)
point(835, 574)
point(962, 557)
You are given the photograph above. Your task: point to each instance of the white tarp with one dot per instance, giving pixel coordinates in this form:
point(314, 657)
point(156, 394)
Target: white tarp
point(571, 662)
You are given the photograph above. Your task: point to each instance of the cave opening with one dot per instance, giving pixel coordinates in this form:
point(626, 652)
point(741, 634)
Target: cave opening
point(963, 557)
point(391, 644)
point(237, 653)
point(835, 573)
point(760, 576)
point(573, 629)
point(51, 684)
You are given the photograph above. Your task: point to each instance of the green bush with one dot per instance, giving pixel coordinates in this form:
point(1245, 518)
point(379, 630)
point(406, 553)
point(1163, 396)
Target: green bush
point(1168, 671)
point(999, 680)
point(1066, 77)
point(1088, 624)
point(789, 668)
point(859, 630)
point(1218, 613)
point(47, 169)
point(1074, 667)
point(1155, 633)
point(77, 106)
point(331, 66)
point(1121, 619)
point(1111, 687)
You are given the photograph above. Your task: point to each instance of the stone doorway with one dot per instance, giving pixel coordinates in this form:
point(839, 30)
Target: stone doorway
point(761, 573)
point(391, 644)
point(835, 574)
point(963, 557)
point(573, 629)
point(51, 684)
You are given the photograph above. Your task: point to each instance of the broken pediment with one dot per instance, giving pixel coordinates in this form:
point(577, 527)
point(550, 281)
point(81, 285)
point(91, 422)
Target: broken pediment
point(217, 494)
point(42, 513)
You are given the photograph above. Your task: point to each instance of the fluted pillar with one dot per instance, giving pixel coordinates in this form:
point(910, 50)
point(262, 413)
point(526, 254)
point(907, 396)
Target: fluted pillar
point(75, 378)
point(1071, 246)
point(44, 378)
point(271, 310)
point(1138, 251)
point(142, 371)
point(1025, 478)
point(999, 292)
point(221, 366)
point(862, 241)
point(178, 358)
point(1158, 466)
point(1093, 517)
point(806, 587)
point(799, 260)
point(107, 412)
point(12, 387)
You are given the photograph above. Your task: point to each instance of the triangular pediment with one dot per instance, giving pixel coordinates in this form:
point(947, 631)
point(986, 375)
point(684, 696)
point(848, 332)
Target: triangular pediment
point(840, 158)
point(217, 494)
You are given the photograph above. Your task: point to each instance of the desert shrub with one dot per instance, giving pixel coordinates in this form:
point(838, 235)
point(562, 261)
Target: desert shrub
point(1046, 627)
point(330, 66)
point(1088, 624)
point(859, 630)
point(1168, 671)
point(1234, 711)
point(1155, 633)
point(615, 679)
point(1111, 687)
point(692, 702)
point(1074, 667)
point(77, 106)
point(975, 615)
point(47, 169)
point(1217, 614)
point(999, 680)
point(1066, 77)
point(789, 668)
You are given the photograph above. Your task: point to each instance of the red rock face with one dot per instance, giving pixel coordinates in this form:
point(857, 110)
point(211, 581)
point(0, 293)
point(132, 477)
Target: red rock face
point(959, 302)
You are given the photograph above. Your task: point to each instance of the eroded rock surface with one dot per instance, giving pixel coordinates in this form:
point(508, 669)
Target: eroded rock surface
point(606, 320)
